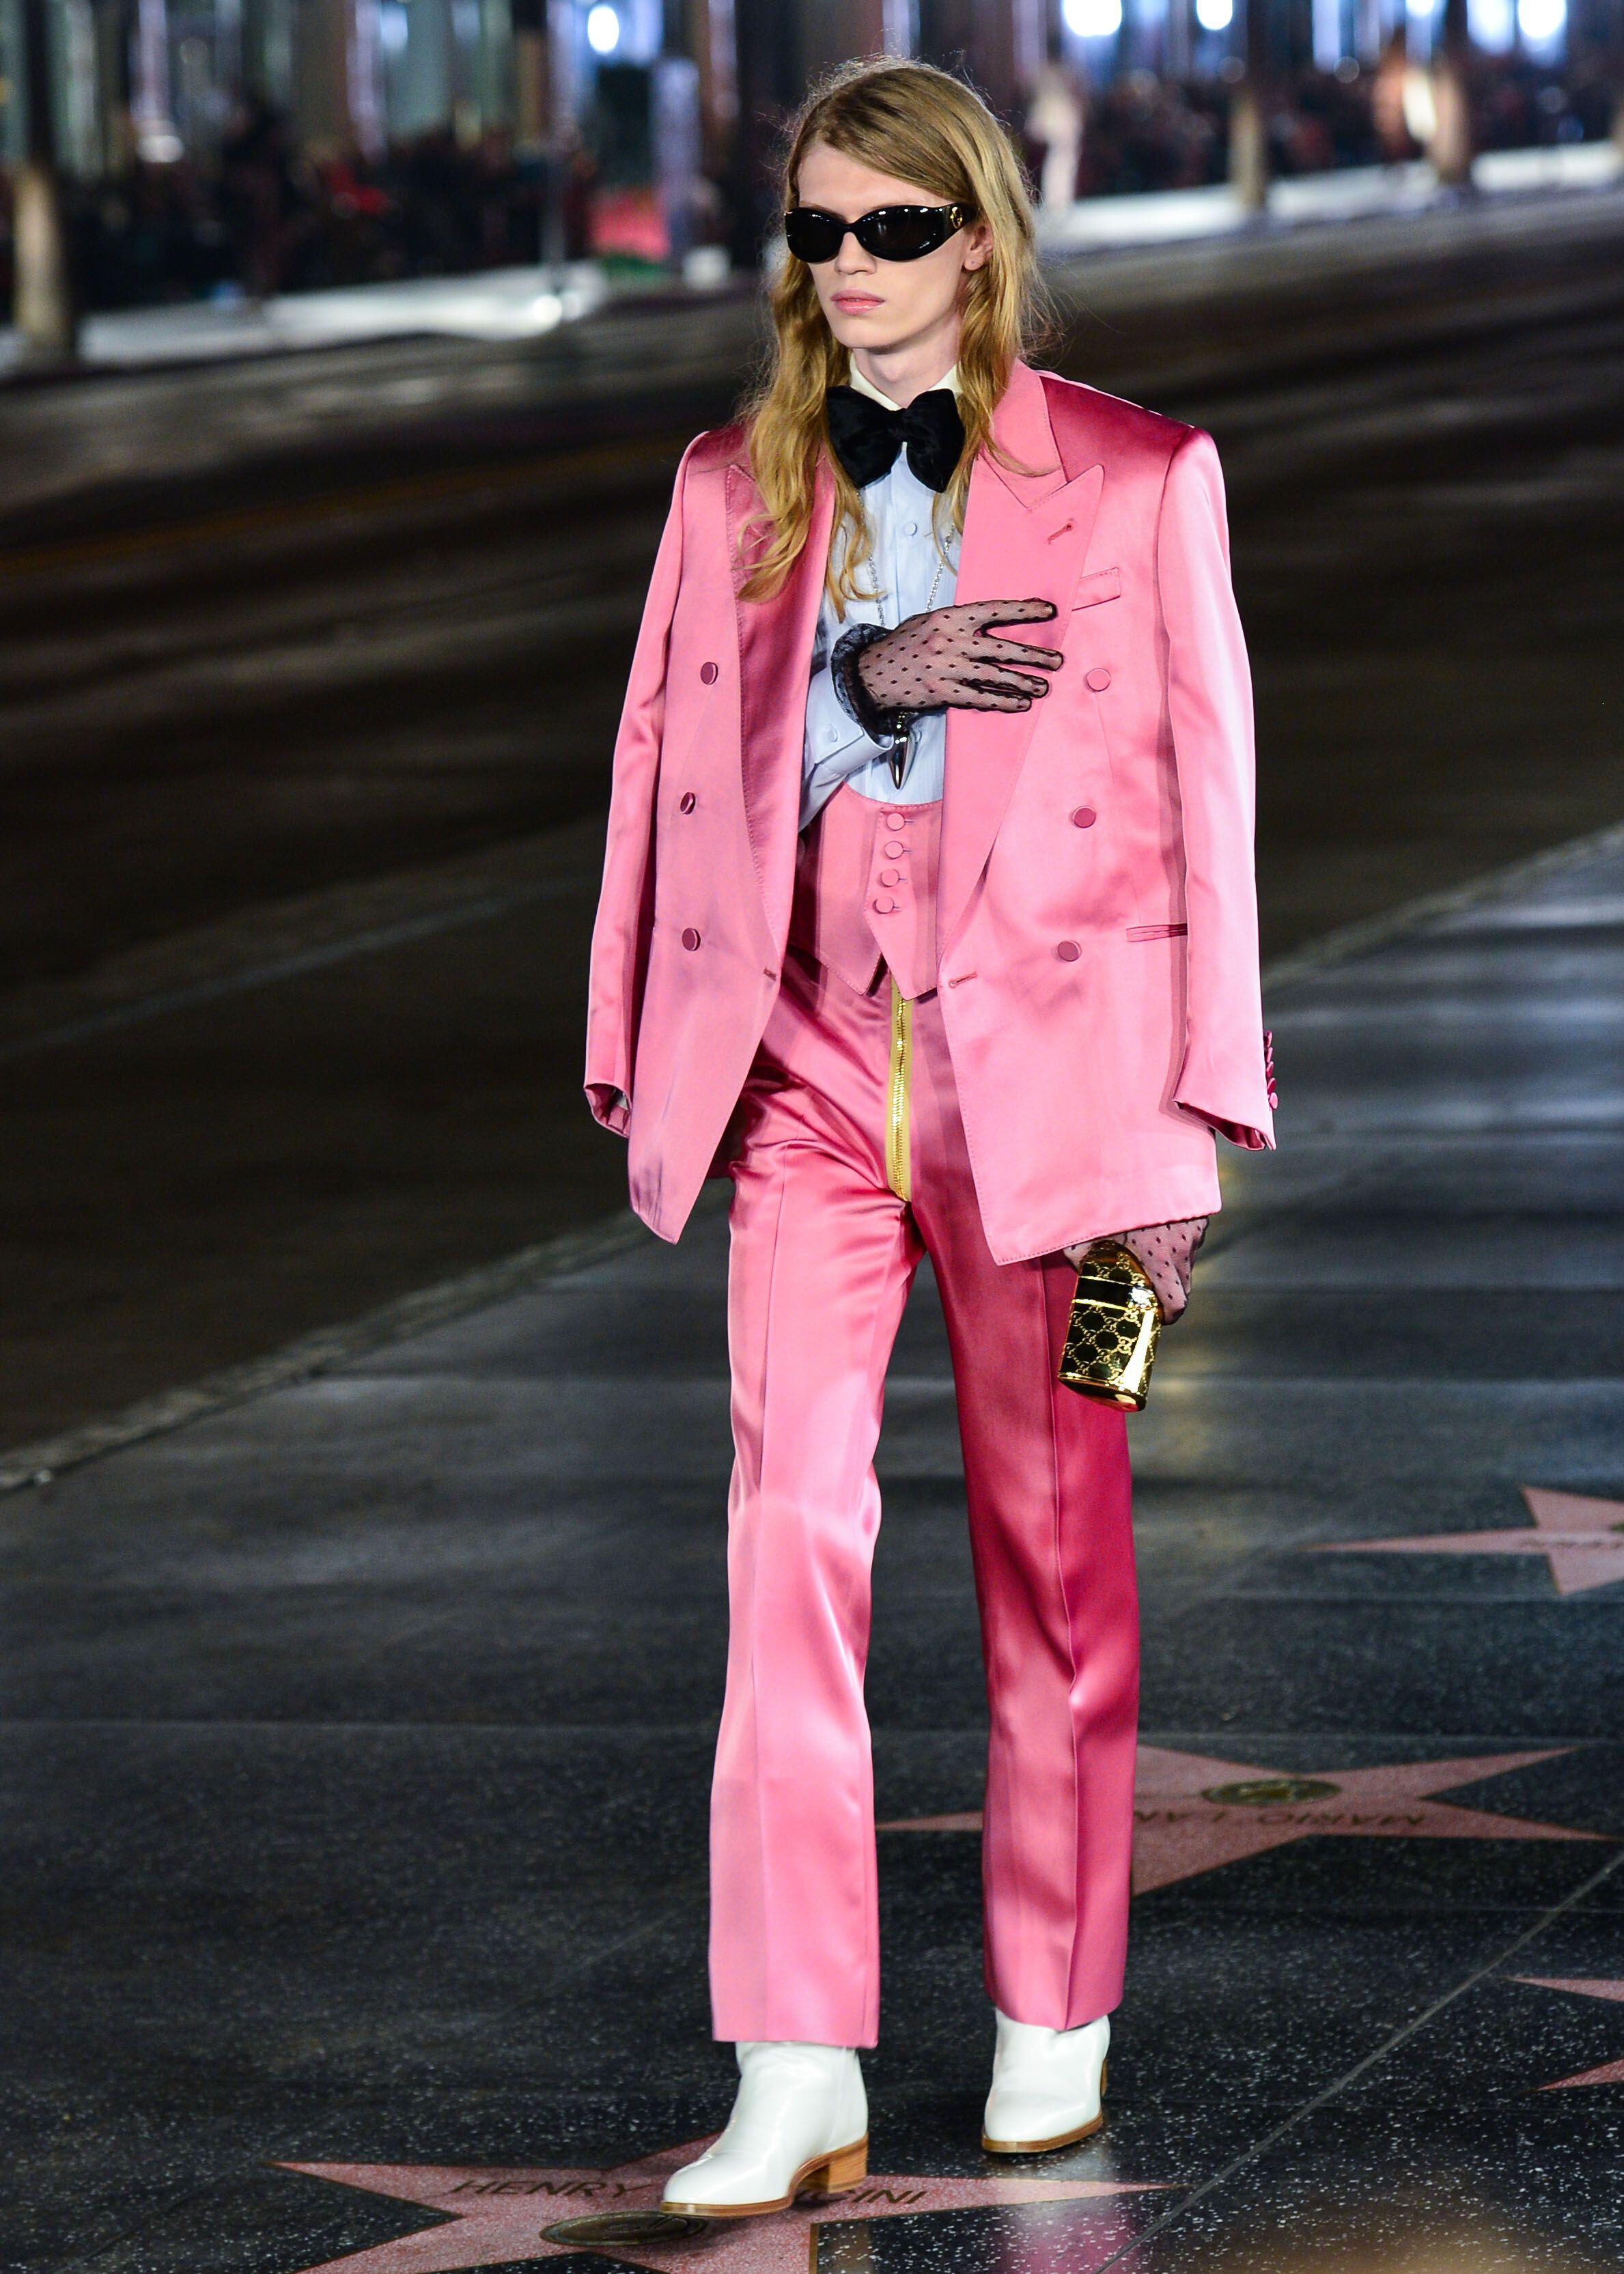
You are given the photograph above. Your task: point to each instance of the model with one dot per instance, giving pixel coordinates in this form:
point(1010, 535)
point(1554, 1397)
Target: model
point(928, 918)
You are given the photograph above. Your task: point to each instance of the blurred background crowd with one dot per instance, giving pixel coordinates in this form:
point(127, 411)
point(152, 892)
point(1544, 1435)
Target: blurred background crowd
point(186, 149)
point(257, 213)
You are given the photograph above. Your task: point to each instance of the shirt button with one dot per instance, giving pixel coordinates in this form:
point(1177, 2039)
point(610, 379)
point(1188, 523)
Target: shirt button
point(885, 906)
point(910, 529)
point(1099, 679)
point(893, 850)
point(690, 940)
point(890, 875)
point(1084, 817)
point(686, 801)
point(707, 672)
point(832, 734)
point(1068, 950)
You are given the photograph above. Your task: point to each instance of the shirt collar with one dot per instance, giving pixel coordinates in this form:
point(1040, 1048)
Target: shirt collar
point(867, 386)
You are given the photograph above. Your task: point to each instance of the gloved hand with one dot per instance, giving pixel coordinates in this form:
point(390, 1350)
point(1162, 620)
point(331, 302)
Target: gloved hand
point(945, 657)
point(1167, 1253)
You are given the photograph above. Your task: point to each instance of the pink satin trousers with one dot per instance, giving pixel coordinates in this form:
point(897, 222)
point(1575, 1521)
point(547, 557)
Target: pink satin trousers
point(824, 1253)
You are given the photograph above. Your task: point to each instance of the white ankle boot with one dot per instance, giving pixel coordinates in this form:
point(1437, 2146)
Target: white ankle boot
point(1046, 2087)
point(799, 2125)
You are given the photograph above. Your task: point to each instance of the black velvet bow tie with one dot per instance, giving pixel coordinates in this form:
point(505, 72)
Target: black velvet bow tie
point(866, 437)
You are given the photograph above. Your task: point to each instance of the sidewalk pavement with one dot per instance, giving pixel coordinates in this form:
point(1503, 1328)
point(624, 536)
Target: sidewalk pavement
point(517, 303)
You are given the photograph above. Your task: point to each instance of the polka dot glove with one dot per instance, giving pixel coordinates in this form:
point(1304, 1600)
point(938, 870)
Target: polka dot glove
point(946, 657)
point(1167, 1252)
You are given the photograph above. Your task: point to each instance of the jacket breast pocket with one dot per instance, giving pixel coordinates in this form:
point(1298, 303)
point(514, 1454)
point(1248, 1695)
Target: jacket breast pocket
point(1099, 584)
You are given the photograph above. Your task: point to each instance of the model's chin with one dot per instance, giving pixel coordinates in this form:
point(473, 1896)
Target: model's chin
point(864, 328)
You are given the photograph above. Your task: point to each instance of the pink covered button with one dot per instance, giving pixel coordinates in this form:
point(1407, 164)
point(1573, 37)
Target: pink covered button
point(690, 939)
point(890, 875)
point(894, 820)
point(1099, 679)
point(885, 906)
point(1068, 950)
point(1084, 817)
point(891, 851)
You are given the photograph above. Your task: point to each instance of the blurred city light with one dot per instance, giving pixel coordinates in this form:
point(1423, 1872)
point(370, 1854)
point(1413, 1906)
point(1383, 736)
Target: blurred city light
point(1493, 23)
point(1215, 15)
point(1542, 20)
point(1092, 19)
point(603, 29)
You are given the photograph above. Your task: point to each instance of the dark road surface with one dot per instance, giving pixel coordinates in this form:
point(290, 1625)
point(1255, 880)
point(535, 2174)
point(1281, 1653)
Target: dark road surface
point(311, 673)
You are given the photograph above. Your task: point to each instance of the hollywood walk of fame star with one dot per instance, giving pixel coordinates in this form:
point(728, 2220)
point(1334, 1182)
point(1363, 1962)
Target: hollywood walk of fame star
point(1610, 2072)
point(500, 2214)
point(1582, 1540)
point(1191, 1813)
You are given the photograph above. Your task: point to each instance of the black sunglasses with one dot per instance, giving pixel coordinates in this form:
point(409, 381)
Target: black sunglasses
point(890, 232)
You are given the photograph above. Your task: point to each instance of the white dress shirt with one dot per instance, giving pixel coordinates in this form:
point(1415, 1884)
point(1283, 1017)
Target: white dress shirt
point(909, 574)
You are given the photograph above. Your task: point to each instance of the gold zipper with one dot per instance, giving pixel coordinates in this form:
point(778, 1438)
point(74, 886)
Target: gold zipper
point(896, 1094)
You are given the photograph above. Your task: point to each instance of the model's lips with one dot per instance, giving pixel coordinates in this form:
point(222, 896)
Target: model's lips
point(857, 304)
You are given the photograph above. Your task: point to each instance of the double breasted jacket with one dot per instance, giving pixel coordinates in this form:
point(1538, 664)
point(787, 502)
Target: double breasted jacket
point(1096, 916)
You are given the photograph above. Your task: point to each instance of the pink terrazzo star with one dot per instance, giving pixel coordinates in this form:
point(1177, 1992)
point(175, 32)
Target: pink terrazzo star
point(498, 2216)
point(1582, 1540)
point(1610, 2072)
point(1191, 1813)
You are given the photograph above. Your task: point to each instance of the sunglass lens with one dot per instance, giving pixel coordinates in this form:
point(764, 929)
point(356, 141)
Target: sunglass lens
point(903, 232)
point(812, 236)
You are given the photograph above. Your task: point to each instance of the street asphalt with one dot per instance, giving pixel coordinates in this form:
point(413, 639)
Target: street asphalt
point(311, 673)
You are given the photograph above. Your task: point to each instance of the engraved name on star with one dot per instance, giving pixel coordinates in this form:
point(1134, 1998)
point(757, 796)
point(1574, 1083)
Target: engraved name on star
point(497, 2216)
point(1582, 1540)
point(1192, 1811)
point(1581, 1987)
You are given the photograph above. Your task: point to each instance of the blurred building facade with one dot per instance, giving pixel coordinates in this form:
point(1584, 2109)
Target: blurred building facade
point(160, 78)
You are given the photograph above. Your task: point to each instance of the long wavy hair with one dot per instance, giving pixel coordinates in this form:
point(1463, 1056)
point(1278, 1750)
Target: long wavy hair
point(921, 125)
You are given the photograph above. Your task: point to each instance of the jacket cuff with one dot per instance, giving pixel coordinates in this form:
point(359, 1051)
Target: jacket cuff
point(609, 1106)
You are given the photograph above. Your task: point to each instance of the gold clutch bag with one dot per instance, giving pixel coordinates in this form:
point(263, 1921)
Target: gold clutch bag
point(1116, 1323)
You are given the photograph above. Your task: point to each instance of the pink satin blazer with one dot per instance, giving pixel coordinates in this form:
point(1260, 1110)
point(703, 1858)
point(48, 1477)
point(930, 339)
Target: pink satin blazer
point(1096, 918)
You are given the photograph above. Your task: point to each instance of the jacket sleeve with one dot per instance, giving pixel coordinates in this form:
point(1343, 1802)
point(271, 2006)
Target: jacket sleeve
point(625, 904)
point(1224, 1078)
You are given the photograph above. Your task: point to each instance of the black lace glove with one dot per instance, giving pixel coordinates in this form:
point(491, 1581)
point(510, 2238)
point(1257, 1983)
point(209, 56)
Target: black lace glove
point(943, 658)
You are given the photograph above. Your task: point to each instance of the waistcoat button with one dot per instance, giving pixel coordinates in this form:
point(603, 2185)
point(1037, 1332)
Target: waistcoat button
point(707, 672)
point(893, 821)
point(1084, 817)
point(884, 907)
point(1068, 950)
point(894, 848)
point(890, 875)
point(1099, 679)
point(690, 940)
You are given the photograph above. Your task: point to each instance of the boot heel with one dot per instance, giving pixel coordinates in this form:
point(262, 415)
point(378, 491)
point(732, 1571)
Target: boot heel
point(846, 2168)
point(1105, 2070)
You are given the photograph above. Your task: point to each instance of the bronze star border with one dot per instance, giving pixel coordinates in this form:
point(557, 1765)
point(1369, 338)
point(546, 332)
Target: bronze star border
point(1582, 1540)
point(498, 2214)
point(1192, 1812)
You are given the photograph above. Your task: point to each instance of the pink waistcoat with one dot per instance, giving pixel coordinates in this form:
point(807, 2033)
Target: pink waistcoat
point(866, 891)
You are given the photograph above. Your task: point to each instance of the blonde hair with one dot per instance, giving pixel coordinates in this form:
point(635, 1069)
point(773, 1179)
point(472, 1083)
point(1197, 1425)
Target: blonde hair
point(921, 125)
